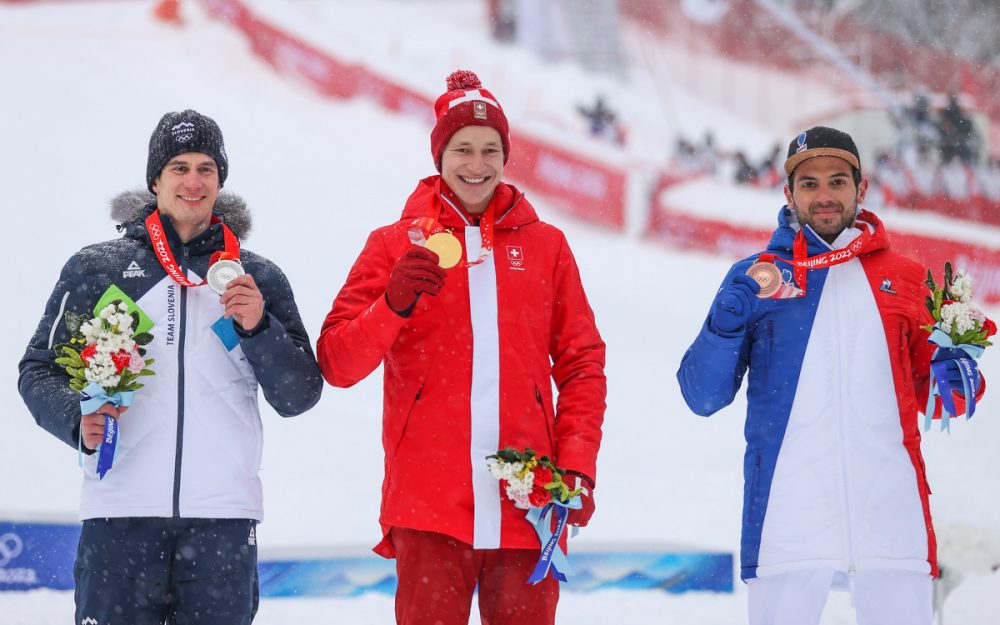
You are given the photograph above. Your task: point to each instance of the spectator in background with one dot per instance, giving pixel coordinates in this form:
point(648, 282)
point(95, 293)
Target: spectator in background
point(686, 159)
point(744, 172)
point(769, 175)
point(708, 154)
point(956, 133)
point(602, 121)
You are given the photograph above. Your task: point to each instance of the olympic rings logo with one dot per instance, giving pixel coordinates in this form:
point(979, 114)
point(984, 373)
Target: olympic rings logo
point(10, 547)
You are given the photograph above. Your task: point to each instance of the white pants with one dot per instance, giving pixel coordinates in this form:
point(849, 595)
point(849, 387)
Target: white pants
point(880, 597)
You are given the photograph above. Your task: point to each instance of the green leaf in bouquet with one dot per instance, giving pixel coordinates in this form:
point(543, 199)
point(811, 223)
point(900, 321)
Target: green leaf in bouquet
point(949, 278)
point(77, 384)
point(147, 372)
point(930, 281)
point(143, 338)
point(145, 324)
point(966, 337)
point(929, 302)
point(76, 372)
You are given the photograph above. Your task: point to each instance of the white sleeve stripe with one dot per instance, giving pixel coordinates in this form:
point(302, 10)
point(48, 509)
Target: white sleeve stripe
point(55, 324)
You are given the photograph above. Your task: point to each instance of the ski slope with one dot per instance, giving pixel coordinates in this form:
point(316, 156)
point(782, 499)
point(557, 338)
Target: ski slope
point(85, 82)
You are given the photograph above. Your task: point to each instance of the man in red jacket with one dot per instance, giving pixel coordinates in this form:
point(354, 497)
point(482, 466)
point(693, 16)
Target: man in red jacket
point(468, 371)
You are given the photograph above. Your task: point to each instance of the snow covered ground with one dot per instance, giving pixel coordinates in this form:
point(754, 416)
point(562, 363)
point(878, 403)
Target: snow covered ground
point(85, 82)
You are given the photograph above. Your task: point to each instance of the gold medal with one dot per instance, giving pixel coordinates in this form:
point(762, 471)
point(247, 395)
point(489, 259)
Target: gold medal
point(768, 276)
point(447, 247)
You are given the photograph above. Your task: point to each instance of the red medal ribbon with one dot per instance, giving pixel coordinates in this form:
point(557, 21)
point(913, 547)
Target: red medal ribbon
point(161, 248)
point(422, 227)
point(802, 262)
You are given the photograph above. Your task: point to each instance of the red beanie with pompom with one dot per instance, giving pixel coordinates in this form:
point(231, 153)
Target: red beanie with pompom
point(466, 103)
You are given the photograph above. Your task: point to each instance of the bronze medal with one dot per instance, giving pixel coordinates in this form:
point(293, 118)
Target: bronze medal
point(447, 247)
point(768, 276)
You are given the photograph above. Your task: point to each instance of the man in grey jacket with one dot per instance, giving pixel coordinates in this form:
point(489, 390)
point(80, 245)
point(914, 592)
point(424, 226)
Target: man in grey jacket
point(169, 529)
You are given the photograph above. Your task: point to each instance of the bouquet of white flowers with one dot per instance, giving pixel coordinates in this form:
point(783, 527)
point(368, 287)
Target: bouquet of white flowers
point(534, 483)
point(105, 359)
point(961, 331)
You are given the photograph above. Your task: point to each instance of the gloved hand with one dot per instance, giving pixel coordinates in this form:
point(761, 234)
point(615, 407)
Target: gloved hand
point(580, 517)
point(733, 306)
point(950, 357)
point(416, 272)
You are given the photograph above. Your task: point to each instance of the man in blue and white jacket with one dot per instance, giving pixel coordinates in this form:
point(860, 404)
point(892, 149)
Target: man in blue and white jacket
point(169, 532)
point(835, 491)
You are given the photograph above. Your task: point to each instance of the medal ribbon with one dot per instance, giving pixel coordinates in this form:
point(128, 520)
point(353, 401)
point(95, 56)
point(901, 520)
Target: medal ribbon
point(161, 248)
point(421, 228)
point(552, 559)
point(93, 397)
point(802, 262)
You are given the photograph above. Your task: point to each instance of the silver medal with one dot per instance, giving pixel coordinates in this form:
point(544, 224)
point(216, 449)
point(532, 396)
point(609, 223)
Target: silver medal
point(221, 273)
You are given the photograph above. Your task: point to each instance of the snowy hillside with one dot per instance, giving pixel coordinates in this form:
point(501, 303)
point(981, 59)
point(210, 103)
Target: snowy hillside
point(83, 85)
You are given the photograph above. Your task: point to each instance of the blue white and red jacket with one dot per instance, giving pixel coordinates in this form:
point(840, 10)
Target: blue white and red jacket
point(833, 473)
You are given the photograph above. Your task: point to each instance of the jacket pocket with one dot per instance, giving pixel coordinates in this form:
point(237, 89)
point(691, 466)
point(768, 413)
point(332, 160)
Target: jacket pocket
point(549, 421)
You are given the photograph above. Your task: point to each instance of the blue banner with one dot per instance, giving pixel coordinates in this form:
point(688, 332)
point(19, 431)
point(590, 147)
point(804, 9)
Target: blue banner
point(41, 555)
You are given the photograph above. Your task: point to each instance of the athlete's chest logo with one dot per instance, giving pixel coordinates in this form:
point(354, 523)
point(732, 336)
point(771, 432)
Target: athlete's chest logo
point(515, 256)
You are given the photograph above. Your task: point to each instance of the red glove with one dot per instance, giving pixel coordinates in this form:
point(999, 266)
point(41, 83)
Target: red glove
point(580, 517)
point(415, 273)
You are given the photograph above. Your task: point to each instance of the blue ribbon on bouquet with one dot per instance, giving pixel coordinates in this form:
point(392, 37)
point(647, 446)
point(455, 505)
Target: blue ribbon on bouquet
point(93, 397)
point(552, 559)
point(941, 387)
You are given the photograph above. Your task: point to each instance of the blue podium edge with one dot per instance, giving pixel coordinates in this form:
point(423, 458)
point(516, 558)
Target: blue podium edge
point(40, 554)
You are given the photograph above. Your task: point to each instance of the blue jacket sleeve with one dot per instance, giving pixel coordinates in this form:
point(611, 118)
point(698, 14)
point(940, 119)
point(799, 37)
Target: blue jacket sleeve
point(279, 350)
point(712, 369)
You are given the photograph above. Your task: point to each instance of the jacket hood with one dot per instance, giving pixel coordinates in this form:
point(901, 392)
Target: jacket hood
point(129, 206)
point(788, 228)
point(513, 209)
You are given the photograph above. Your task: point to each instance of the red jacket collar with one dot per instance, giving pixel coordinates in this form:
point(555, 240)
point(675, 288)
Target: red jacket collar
point(512, 208)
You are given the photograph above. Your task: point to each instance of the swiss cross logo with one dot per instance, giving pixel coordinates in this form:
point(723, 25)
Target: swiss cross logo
point(479, 110)
point(515, 257)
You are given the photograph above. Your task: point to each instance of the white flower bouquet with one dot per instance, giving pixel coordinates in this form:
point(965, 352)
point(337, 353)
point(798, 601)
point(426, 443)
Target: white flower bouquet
point(961, 332)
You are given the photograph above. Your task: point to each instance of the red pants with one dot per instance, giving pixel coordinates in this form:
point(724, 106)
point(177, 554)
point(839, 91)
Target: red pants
point(438, 574)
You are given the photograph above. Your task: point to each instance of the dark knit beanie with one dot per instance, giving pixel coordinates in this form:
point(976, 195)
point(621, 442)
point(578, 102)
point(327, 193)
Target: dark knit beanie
point(178, 133)
point(466, 103)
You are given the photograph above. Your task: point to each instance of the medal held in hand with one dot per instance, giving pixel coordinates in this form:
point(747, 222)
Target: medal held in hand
point(447, 247)
point(222, 272)
point(768, 276)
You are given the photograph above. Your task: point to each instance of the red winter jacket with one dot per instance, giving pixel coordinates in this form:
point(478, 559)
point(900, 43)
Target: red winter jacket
point(470, 370)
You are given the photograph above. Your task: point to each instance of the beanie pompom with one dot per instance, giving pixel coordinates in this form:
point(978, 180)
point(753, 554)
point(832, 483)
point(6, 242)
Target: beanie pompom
point(463, 79)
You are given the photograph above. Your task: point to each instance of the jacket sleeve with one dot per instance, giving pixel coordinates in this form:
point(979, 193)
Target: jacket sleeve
point(279, 350)
point(712, 369)
point(360, 327)
point(578, 357)
point(43, 384)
